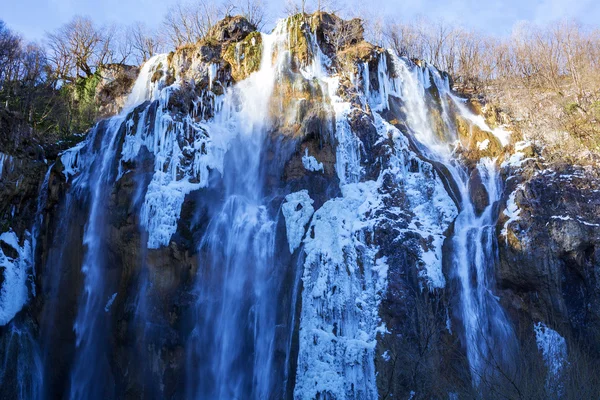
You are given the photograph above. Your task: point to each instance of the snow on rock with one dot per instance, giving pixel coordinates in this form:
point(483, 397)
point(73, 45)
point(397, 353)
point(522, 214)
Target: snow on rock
point(297, 211)
point(431, 205)
point(13, 293)
point(311, 163)
point(554, 351)
point(71, 158)
point(483, 145)
point(518, 158)
point(512, 211)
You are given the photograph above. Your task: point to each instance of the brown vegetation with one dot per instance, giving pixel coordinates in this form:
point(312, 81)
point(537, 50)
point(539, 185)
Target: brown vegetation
point(546, 77)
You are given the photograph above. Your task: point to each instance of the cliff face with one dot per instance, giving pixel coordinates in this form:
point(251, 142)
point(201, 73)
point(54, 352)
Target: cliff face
point(295, 215)
point(548, 246)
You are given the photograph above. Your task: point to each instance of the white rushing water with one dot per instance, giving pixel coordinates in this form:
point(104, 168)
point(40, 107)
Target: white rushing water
point(90, 327)
point(489, 337)
point(236, 283)
point(96, 168)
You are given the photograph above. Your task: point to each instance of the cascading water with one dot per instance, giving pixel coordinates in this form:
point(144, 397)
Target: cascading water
point(489, 338)
point(235, 309)
point(21, 352)
point(96, 178)
point(234, 332)
point(90, 324)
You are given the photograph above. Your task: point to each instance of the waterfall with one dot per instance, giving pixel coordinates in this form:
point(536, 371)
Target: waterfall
point(95, 380)
point(343, 278)
point(89, 382)
point(237, 280)
point(283, 287)
point(489, 338)
point(21, 367)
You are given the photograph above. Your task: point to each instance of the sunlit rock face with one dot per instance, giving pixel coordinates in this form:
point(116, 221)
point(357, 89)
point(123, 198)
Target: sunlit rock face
point(296, 214)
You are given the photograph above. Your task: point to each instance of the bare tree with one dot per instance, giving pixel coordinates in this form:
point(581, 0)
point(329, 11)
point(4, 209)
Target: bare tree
point(405, 39)
point(189, 22)
point(79, 48)
point(255, 11)
point(344, 33)
point(144, 42)
point(293, 7)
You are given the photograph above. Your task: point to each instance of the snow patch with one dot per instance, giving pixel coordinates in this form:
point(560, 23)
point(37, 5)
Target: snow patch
point(518, 158)
point(554, 351)
point(297, 211)
point(561, 217)
point(512, 211)
point(311, 163)
point(483, 145)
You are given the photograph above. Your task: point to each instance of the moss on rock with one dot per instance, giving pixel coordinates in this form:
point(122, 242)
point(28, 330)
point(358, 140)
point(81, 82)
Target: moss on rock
point(244, 56)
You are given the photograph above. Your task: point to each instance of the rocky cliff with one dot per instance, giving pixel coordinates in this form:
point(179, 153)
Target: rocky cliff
point(295, 215)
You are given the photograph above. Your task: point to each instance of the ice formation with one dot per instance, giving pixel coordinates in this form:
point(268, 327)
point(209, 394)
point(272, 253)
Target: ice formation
point(553, 348)
point(311, 163)
point(297, 211)
point(5, 163)
point(13, 292)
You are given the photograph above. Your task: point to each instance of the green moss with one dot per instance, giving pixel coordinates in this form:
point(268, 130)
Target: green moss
point(85, 88)
point(570, 108)
point(298, 43)
point(81, 98)
point(244, 56)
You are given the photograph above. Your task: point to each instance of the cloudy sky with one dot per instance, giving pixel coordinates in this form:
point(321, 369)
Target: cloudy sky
point(34, 17)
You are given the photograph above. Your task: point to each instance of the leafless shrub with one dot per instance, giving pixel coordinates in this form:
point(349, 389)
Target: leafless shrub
point(255, 11)
point(144, 42)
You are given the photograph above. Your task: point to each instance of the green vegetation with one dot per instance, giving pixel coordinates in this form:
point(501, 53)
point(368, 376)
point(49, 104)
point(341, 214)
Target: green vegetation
point(245, 56)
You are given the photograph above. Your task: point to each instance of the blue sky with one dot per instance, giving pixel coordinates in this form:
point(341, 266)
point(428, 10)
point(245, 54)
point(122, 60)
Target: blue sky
point(34, 17)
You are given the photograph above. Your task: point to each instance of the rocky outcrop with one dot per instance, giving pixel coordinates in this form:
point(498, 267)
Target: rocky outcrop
point(549, 237)
point(114, 87)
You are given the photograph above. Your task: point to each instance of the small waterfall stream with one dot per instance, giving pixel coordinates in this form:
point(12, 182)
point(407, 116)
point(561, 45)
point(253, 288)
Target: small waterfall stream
point(489, 338)
point(94, 380)
point(90, 382)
